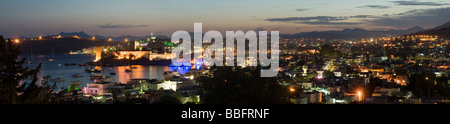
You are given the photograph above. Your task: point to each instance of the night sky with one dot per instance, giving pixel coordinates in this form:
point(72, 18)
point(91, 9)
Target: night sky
point(141, 17)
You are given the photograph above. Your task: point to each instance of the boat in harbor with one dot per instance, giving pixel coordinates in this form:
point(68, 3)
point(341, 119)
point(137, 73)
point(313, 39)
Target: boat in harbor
point(52, 59)
point(58, 80)
point(112, 73)
point(75, 85)
point(31, 58)
point(97, 77)
point(93, 70)
point(70, 64)
point(77, 75)
point(76, 82)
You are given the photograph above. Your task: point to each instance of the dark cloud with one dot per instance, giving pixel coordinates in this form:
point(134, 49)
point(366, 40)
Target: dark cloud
point(304, 19)
point(301, 10)
point(110, 26)
point(421, 17)
point(375, 6)
point(418, 3)
point(329, 23)
point(409, 12)
point(363, 16)
point(320, 20)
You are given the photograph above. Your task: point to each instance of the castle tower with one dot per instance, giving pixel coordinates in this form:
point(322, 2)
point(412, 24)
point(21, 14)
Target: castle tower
point(98, 53)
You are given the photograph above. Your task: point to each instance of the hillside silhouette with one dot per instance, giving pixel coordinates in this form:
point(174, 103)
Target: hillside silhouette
point(61, 45)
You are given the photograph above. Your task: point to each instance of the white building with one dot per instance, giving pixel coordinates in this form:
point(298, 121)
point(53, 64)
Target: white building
point(166, 85)
point(99, 88)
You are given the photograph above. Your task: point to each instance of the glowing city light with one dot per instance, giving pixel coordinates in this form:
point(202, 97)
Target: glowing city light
point(359, 95)
point(319, 76)
point(292, 89)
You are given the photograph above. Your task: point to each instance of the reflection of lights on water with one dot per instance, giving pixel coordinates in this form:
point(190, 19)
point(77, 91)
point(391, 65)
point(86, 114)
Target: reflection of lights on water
point(183, 69)
point(139, 71)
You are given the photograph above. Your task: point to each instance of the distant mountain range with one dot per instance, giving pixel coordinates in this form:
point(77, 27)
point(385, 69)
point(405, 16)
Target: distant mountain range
point(442, 31)
point(60, 45)
point(446, 25)
point(82, 34)
point(355, 33)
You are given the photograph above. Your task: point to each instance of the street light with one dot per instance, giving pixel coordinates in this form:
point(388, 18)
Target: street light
point(292, 89)
point(359, 95)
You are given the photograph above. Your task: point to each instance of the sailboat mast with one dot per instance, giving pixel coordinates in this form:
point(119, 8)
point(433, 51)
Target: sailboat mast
point(32, 57)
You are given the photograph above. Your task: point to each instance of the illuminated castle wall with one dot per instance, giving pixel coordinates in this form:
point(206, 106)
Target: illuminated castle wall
point(133, 55)
point(98, 53)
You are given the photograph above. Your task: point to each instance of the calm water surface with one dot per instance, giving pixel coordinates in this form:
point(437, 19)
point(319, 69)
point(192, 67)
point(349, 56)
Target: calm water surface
point(57, 69)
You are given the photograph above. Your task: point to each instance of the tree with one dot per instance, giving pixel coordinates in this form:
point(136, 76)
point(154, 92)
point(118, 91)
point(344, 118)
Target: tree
point(422, 84)
point(34, 94)
point(14, 87)
point(328, 74)
point(236, 85)
point(443, 86)
point(168, 99)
